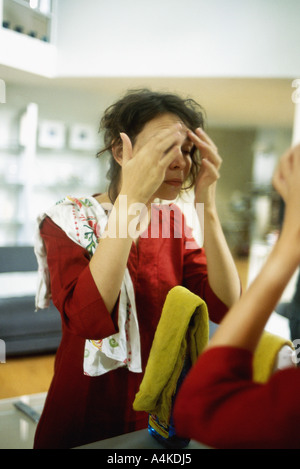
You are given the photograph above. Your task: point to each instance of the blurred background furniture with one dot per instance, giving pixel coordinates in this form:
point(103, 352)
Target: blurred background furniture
point(24, 330)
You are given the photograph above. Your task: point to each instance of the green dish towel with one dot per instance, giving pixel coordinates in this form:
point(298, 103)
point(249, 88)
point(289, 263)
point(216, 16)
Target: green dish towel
point(183, 329)
point(265, 355)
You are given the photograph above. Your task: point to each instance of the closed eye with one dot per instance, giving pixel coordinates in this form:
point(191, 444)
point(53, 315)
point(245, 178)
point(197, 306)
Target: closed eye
point(187, 151)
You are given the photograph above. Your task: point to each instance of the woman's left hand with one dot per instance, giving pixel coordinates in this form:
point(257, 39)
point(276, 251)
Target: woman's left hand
point(210, 165)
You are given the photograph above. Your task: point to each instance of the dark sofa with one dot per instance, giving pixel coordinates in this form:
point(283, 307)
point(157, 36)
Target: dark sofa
point(25, 331)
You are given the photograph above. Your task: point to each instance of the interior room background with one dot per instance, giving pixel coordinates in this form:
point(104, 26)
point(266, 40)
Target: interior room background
point(71, 59)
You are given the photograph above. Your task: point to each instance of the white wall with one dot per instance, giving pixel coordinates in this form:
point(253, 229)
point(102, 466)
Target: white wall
point(249, 38)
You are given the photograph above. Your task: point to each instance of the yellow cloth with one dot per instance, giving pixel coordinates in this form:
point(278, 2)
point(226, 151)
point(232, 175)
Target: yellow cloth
point(265, 356)
point(183, 328)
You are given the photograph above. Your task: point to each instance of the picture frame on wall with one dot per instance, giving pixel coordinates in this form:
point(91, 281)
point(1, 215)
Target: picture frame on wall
point(82, 137)
point(52, 134)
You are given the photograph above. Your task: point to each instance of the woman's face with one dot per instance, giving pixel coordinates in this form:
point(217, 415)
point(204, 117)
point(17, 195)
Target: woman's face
point(179, 169)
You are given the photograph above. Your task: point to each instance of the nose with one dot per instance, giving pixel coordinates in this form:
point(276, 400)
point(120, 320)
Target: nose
point(179, 162)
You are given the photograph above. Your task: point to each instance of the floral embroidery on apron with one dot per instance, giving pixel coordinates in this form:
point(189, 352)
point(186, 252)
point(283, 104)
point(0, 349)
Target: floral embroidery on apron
point(84, 220)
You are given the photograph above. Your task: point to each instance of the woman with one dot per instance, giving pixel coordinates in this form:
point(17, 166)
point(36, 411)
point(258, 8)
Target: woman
point(219, 404)
point(154, 140)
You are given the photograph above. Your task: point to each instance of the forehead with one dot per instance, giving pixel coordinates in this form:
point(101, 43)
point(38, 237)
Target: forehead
point(163, 121)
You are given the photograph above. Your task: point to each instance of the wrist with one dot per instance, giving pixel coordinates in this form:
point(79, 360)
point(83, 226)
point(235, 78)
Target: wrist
point(132, 199)
point(283, 260)
point(209, 214)
point(289, 245)
point(130, 216)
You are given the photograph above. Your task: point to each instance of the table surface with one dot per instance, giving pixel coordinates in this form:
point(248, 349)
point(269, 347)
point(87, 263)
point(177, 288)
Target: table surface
point(17, 430)
point(136, 440)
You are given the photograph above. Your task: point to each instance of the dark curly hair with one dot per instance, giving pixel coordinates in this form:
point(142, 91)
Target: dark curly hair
point(132, 112)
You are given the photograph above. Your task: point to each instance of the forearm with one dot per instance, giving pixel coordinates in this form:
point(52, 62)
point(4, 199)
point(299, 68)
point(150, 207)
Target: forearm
point(109, 261)
point(222, 273)
point(245, 322)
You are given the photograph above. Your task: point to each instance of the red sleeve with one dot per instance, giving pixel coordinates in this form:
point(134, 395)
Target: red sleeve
point(220, 405)
point(196, 278)
point(73, 289)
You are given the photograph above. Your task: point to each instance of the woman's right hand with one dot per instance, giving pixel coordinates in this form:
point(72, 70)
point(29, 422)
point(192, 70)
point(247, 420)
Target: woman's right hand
point(144, 167)
point(143, 170)
point(286, 181)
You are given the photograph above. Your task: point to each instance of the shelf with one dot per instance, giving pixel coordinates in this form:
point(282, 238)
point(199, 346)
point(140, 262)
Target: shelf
point(12, 224)
point(11, 185)
point(44, 152)
point(33, 178)
point(23, 52)
point(14, 148)
point(43, 8)
point(20, 17)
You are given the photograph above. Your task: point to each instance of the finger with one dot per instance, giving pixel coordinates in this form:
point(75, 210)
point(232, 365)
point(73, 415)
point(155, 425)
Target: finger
point(200, 137)
point(280, 187)
point(169, 156)
point(127, 147)
point(166, 141)
point(296, 150)
point(281, 174)
point(296, 157)
point(208, 171)
point(206, 147)
point(286, 165)
point(202, 134)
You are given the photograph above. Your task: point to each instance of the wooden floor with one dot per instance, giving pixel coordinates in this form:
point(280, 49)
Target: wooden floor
point(28, 375)
point(31, 375)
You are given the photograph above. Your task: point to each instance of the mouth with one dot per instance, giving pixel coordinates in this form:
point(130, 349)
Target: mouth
point(174, 182)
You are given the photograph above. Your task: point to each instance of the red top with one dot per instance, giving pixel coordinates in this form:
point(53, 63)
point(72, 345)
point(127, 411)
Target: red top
point(80, 409)
point(220, 405)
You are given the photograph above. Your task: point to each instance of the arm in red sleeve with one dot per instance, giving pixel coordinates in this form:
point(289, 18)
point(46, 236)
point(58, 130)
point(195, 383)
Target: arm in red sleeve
point(220, 405)
point(73, 289)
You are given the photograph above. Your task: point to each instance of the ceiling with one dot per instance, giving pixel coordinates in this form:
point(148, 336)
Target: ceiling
point(250, 102)
point(227, 101)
